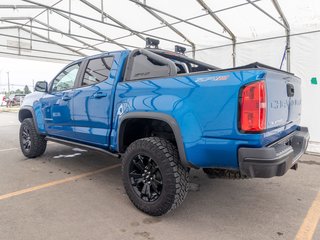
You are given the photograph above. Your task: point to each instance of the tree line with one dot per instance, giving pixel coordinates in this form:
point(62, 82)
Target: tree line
point(25, 90)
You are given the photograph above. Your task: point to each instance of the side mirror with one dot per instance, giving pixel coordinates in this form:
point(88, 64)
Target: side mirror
point(41, 86)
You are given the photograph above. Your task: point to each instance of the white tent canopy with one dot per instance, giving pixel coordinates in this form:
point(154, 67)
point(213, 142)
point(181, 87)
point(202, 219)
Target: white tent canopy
point(84, 27)
point(224, 33)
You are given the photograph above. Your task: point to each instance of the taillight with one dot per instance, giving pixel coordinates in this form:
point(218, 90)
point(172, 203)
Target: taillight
point(253, 107)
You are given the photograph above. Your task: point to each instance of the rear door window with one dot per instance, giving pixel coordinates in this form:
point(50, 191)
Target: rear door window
point(97, 71)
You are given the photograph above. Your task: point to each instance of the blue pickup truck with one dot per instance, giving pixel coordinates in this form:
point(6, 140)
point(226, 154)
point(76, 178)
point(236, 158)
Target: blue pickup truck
point(164, 114)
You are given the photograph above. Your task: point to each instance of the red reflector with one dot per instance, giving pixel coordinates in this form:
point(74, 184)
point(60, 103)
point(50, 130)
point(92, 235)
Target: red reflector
point(253, 107)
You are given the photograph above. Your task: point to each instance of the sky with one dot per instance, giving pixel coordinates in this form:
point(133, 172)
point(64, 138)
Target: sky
point(24, 72)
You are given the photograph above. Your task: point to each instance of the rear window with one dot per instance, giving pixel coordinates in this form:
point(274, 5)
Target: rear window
point(144, 67)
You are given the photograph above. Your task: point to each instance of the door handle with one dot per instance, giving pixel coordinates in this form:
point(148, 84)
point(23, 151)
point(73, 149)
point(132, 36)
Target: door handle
point(290, 90)
point(66, 98)
point(99, 95)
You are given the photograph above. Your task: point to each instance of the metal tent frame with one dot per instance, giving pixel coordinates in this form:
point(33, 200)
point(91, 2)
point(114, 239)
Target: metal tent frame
point(82, 42)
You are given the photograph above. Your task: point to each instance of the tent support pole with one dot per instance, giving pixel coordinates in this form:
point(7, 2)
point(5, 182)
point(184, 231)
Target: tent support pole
point(162, 20)
point(48, 23)
point(287, 27)
point(104, 14)
point(54, 42)
point(89, 29)
point(234, 54)
point(91, 47)
point(31, 34)
point(193, 51)
point(258, 40)
point(35, 40)
point(266, 13)
point(179, 19)
point(133, 32)
point(69, 30)
point(67, 35)
point(102, 11)
point(19, 41)
point(224, 26)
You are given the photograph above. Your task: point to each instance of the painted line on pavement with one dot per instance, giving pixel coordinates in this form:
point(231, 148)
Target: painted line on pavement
point(10, 149)
point(57, 182)
point(311, 221)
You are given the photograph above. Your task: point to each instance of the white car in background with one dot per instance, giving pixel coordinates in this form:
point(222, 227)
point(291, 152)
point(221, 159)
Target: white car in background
point(3, 101)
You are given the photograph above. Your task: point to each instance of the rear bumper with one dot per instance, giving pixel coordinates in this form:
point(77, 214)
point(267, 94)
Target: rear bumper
point(276, 159)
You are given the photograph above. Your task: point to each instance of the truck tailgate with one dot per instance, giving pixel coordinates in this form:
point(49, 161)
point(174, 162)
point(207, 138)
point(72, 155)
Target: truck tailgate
point(284, 101)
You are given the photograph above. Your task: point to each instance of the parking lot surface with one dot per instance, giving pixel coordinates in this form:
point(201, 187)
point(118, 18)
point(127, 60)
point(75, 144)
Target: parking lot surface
point(69, 193)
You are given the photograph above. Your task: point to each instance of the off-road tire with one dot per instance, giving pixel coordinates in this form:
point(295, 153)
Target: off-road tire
point(38, 143)
point(175, 177)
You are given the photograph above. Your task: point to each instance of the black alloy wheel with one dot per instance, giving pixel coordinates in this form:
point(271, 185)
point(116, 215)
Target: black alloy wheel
point(32, 144)
point(154, 178)
point(146, 178)
point(26, 139)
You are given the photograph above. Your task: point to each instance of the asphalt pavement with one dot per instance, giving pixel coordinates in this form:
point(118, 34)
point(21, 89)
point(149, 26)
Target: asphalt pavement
point(70, 193)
